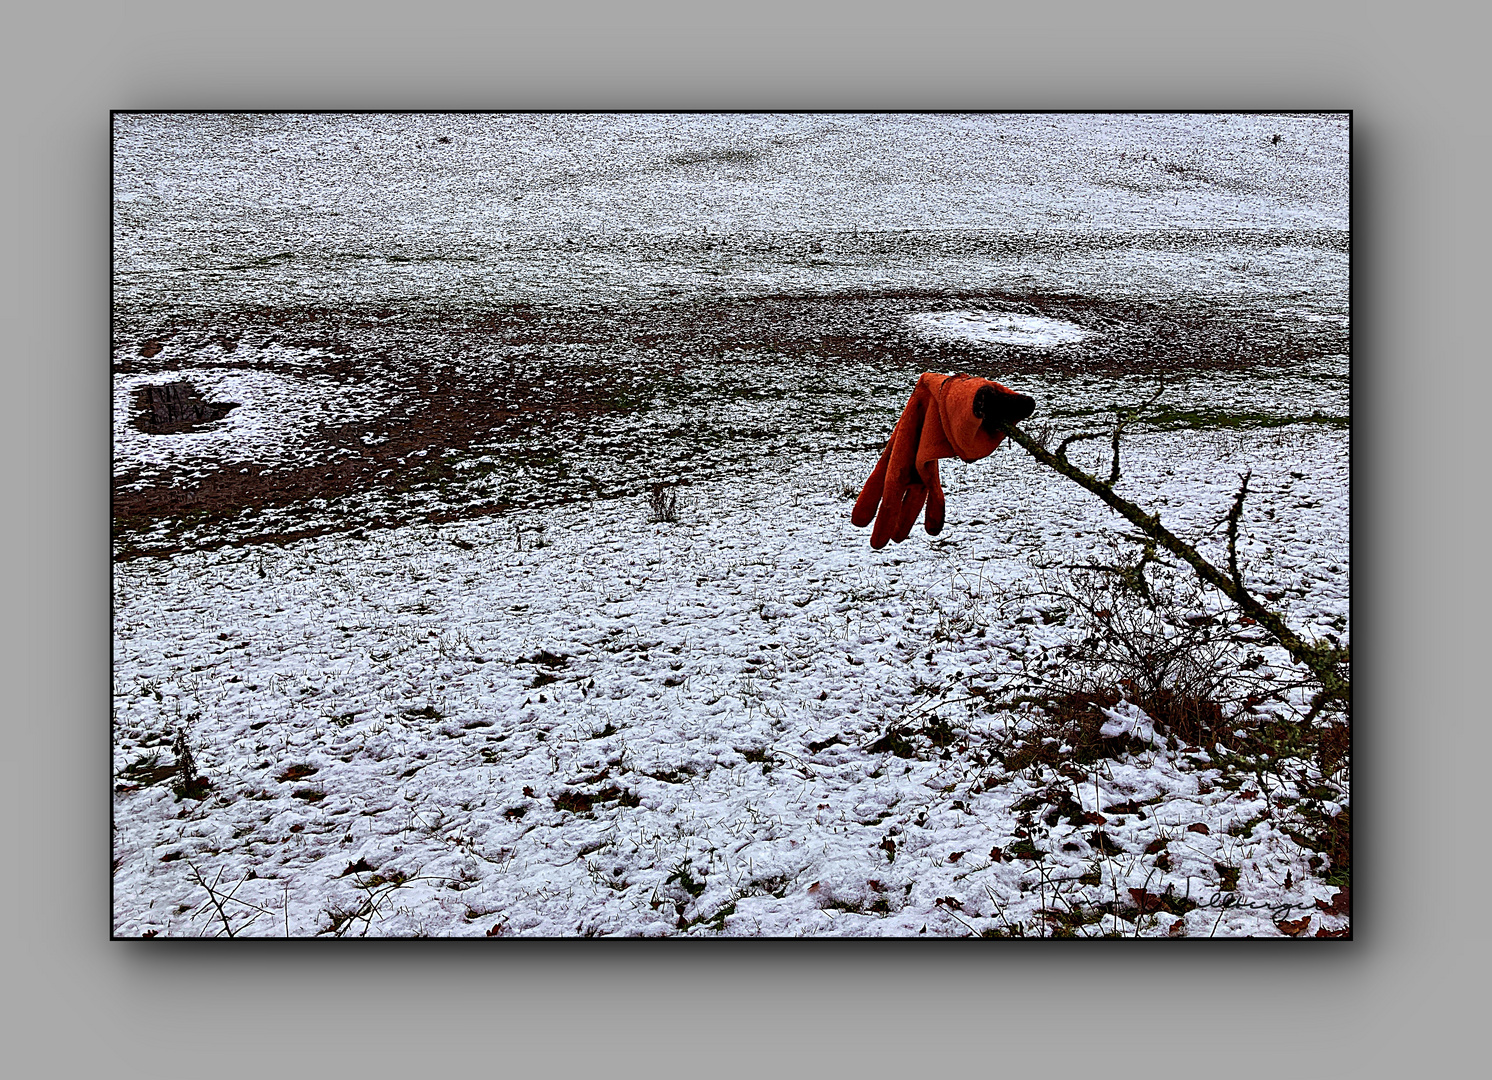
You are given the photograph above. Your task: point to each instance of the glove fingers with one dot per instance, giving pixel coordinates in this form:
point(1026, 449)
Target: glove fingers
point(901, 467)
point(893, 522)
point(886, 482)
point(870, 495)
point(886, 521)
point(911, 506)
point(932, 446)
point(935, 507)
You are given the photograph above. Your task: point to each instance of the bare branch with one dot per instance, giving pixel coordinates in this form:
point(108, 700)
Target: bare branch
point(1114, 462)
point(1160, 389)
point(1323, 660)
point(212, 894)
point(1233, 517)
point(1123, 418)
point(216, 901)
point(1081, 436)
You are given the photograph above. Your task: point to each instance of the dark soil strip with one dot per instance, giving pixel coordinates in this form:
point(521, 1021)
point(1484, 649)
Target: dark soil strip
point(466, 382)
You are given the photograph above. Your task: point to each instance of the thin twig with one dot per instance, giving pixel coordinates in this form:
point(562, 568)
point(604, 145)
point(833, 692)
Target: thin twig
point(1080, 437)
point(1233, 516)
point(211, 895)
point(1122, 419)
point(217, 903)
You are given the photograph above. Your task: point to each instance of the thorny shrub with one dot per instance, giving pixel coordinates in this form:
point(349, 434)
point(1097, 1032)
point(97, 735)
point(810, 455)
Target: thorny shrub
point(1139, 631)
point(187, 784)
point(663, 503)
point(1143, 631)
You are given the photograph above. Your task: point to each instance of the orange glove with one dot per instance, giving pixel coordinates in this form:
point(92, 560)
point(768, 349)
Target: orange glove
point(946, 416)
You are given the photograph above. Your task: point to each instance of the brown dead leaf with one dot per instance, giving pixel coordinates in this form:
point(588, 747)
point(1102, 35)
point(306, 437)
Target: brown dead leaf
point(1148, 903)
point(1323, 932)
point(1295, 928)
point(1199, 827)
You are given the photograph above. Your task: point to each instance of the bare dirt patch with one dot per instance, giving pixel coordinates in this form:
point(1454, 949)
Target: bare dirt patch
point(483, 413)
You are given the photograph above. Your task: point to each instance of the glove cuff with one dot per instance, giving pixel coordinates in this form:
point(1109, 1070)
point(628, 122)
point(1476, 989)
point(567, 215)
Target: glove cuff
point(963, 426)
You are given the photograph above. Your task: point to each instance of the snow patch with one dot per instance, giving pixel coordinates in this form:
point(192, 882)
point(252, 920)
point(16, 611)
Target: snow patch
point(999, 328)
point(1314, 316)
point(1128, 719)
point(273, 425)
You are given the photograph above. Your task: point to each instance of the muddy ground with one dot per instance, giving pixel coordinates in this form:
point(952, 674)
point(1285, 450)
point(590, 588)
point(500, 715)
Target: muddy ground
point(464, 414)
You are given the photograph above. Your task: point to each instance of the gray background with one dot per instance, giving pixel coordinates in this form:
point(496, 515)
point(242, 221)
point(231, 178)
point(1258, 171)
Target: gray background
point(1401, 995)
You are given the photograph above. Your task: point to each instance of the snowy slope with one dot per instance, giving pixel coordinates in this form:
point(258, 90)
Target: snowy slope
point(686, 656)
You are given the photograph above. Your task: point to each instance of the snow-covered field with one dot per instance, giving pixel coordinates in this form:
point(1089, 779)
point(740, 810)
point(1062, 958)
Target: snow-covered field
point(502, 698)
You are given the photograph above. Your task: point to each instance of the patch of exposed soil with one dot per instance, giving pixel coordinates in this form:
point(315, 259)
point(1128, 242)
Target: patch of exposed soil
point(175, 407)
point(470, 400)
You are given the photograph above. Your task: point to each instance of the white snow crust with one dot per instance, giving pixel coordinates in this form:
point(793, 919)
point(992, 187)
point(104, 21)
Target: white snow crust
point(244, 210)
point(999, 328)
point(401, 668)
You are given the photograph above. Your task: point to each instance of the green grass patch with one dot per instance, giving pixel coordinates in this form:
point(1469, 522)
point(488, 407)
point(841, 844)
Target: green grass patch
point(1218, 419)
